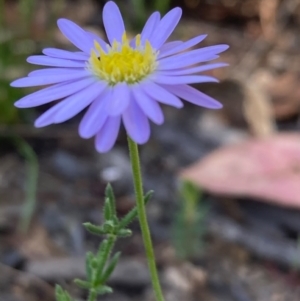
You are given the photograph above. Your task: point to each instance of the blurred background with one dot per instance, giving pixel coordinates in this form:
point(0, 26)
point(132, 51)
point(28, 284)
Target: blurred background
point(225, 217)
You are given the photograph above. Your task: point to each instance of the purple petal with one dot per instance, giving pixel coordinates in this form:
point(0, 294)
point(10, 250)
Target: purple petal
point(76, 35)
point(192, 70)
point(108, 134)
point(169, 45)
point(54, 71)
point(102, 43)
point(54, 62)
point(184, 79)
point(49, 79)
point(184, 46)
point(136, 123)
point(95, 116)
point(77, 102)
point(64, 54)
point(160, 94)
point(119, 99)
point(191, 57)
point(132, 42)
point(149, 106)
point(165, 27)
point(185, 62)
point(150, 26)
point(52, 93)
point(194, 96)
point(113, 22)
point(47, 118)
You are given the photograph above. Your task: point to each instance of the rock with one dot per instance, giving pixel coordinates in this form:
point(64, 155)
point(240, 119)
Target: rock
point(19, 286)
point(213, 128)
point(74, 267)
point(70, 166)
point(114, 168)
point(180, 282)
point(13, 258)
point(280, 250)
point(138, 272)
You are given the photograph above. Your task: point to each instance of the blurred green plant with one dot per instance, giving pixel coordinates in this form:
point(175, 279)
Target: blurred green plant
point(189, 225)
point(141, 9)
point(31, 182)
point(161, 5)
point(61, 295)
point(10, 63)
point(1, 13)
point(14, 48)
point(26, 8)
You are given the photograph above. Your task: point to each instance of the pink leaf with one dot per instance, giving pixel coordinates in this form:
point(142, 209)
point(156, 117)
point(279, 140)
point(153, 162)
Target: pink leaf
point(265, 169)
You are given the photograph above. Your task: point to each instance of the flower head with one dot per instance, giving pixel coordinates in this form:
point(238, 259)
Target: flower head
point(123, 80)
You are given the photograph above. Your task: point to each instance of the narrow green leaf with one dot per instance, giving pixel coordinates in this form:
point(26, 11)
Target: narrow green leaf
point(93, 229)
point(115, 220)
point(88, 266)
point(148, 196)
point(104, 289)
point(108, 271)
point(128, 218)
point(108, 226)
point(103, 256)
point(102, 248)
point(60, 298)
point(101, 260)
point(61, 295)
point(94, 263)
point(109, 193)
point(131, 215)
point(83, 284)
point(124, 233)
point(107, 210)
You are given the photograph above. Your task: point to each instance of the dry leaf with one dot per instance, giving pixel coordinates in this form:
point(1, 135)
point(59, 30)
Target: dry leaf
point(266, 169)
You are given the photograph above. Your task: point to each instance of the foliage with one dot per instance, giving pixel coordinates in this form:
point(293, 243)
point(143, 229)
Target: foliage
point(100, 266)
point(142, 7)
point(14, 48)
point(31, 182)
point(189, 229)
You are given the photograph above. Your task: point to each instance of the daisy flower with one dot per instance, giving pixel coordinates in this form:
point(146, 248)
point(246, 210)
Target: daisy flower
point(120, 81)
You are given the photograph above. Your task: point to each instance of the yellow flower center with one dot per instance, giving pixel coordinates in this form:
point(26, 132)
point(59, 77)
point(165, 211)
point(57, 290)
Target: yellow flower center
point(123, 63)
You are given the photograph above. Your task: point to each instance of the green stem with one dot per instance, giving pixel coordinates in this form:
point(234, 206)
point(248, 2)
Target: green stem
point(138, 187)
point(92, 295)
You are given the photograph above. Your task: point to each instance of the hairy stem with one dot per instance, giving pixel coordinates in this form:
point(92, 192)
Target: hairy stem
point(106, 253)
